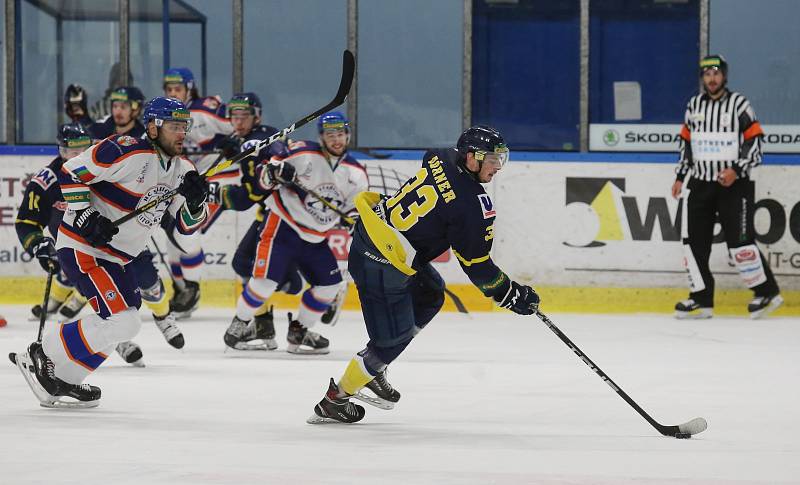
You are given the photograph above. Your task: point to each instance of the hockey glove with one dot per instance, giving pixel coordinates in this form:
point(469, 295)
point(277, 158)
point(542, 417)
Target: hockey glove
point(280, 173)
point(45, 252)
point(348, 226)
point(96, 229)
point(194, 189)
point(214, 193)
point(519, 299)
point(229, 146)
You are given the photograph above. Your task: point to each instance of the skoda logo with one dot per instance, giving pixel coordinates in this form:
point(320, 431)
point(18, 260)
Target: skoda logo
point(611, 138)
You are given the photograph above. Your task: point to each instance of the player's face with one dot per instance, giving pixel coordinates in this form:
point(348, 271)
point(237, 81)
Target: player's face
point(492, 163)
point(171, 137)
point(122, 112)
point(335, 141)
point(70, 153)
point(177, 91)
point(75, 110)
point(713, 80)
point(243, 122)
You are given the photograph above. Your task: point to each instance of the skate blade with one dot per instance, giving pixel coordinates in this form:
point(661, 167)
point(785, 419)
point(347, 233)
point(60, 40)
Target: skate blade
point(47, 400)
point(138, 363)
point(771, 307)
point(701, 314)
point(302, 350)
point(314, 419)
point(374, 401)
point(254, 345)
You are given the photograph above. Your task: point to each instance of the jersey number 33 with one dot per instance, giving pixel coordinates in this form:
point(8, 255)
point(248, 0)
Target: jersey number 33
point(412, 201)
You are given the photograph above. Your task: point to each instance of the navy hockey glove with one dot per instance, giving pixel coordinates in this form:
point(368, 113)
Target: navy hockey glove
point(519, 299)
point(45, 252)
point(229, 146)
point(194, 189)
point(96, 229)
point(280, 173)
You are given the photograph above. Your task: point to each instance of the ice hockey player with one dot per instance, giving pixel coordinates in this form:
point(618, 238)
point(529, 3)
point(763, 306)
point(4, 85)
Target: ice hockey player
point(42, 208)
point(444, 205)
point(209, 127)
point(293, 233)
point(126, 109)
point(101, 185)
point(76, 105)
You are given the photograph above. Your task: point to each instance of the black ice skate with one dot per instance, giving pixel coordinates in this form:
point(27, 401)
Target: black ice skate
point(73, 306)
point(131, 353)
point(39, 372)
point(691, 310)
point(52, 307)
point(385, 396)
point(169, 329)
point(336, 409)
point(259, 334)
point(304, 341)
point(185, 301)
point(761, 306)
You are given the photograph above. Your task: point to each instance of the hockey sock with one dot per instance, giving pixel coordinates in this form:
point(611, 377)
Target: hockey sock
point(155, 298)
point(60, 291)
point(355, 376)
point(192, 266)
point(177, 277)
point(253, 295)
point(314, 302)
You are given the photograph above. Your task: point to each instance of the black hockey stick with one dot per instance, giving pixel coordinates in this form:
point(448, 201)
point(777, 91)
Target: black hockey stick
point(685, 430)
point(456, 301)
point(163, 261)
point(43, 315)
point(348, 71)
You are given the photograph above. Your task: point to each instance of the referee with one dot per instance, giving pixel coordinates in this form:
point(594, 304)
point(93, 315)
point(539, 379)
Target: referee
point(720, 143)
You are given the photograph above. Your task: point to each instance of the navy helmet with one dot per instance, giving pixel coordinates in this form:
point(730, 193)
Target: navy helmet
point(73, 135)
point(333, 120)
point(714, 61)
point(482, 141)
point(244, 101)
point(180, 75)
point(129, 94)
point(161, 109)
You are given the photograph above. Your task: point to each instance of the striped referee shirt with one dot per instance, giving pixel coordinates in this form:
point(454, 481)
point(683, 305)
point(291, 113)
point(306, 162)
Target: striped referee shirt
point(719, 134)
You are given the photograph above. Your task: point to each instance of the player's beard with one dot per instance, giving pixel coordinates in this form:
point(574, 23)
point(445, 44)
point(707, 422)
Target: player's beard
point(171, 149)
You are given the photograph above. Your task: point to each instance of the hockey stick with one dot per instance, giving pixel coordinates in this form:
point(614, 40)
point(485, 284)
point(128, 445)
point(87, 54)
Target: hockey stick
point(684, 430)
point(456, 301)
point(43, 316)
point(326, 202)
point(348, 71)
point(163, 261)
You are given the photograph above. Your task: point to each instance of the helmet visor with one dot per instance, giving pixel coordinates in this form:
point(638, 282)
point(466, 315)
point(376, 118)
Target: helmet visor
point(498, 157)
point(174, 126)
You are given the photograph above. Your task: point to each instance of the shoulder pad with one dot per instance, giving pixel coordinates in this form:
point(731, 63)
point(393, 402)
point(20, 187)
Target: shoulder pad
point(116, 147)
point(303, 146)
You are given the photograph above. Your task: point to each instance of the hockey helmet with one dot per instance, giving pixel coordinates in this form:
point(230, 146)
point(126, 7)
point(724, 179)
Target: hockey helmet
point(180, 75)
point(129, 94)
point(161, 109)
point(244, 101)
point(72, 139)
point(333, 120)
point(485, 142)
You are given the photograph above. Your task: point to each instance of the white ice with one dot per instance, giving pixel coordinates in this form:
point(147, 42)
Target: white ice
point(487, 398)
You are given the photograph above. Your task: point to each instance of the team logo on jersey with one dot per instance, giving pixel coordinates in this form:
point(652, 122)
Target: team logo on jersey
point(126, 140)
point(45, 178)
point(321, 213)
point(153, 216)
point(111, 295)
point(487, 206)
point(248, 145)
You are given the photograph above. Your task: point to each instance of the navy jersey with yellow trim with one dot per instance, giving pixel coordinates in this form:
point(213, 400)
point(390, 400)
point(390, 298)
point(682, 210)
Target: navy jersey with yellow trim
point(443, 207)
point(42, 206)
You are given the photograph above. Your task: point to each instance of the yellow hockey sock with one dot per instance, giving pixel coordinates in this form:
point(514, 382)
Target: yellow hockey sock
point(355, 376)
point(159, 308)
point(59, 291)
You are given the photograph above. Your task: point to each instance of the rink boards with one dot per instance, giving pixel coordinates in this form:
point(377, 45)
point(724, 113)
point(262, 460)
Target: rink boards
point(593, 236)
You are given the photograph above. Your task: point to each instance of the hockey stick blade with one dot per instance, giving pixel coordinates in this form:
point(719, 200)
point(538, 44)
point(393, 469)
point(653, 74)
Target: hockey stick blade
point(456, 300)
point(693, 427)
point(348, 72)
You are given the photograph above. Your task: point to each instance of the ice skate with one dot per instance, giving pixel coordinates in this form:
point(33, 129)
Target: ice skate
point(131, 353)
point(39, 372)
point(186, 300)
point(304, 341)
point(335, 408)
point(73, 306)
point(52, 307)
point(691, 310)
point(762, 306)
point(259, 334)
point(169, 329)
point(383, 396)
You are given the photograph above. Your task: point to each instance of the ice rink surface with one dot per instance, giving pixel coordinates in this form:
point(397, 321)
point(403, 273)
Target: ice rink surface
point(487, 398)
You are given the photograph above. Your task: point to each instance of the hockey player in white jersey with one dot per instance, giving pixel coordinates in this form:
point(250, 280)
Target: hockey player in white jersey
point(293, 235)
point(210, 127)
point(104, 183)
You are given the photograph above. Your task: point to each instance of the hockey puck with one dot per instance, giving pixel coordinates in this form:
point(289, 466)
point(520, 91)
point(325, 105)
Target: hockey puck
point(683, 436)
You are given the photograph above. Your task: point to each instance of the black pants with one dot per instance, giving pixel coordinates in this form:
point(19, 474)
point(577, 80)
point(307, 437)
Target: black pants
point(733, 207)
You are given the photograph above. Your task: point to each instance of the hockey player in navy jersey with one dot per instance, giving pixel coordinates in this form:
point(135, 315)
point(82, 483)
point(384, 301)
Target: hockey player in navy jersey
point(444, 205)
point(209, 127)
point(126, 109)
point(293, 233)
point(102, 184)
